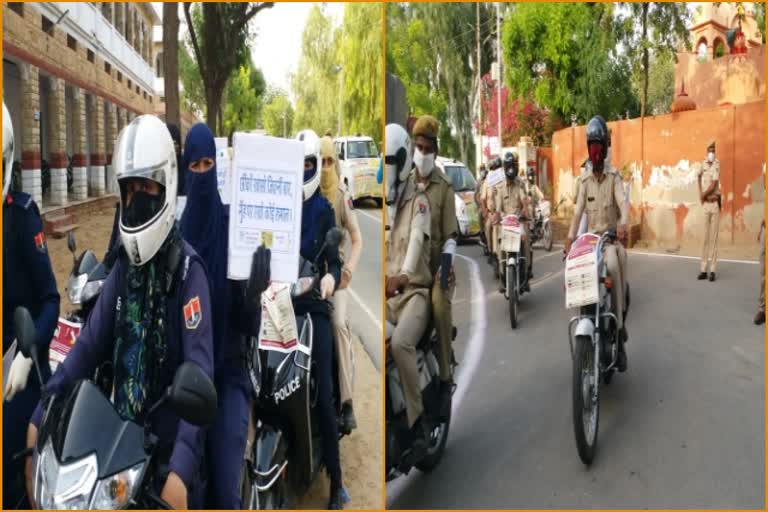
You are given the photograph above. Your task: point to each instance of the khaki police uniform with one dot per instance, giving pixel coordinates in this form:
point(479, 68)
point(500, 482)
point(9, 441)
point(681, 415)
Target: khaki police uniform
point(439, 190)
point(489, 208)
point(510, 199)
point(347, 221)
point(606, 208)
point(409, 311)
point(709, 173)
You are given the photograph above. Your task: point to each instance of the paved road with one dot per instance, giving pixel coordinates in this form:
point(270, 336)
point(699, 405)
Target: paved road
point(683, 428)
point(365, 305)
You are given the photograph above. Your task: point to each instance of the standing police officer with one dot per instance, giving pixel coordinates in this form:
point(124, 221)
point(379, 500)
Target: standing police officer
point(28, 281)
point(709, 193)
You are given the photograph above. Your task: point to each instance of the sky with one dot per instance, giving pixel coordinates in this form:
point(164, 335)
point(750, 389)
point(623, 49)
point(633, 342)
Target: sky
point(277, 46)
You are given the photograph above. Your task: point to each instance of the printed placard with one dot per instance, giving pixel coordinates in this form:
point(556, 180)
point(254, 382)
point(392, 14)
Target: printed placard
point(278, 322)
point(64, 338)
point(581, 278)
point(266, 192)
point(494, 177)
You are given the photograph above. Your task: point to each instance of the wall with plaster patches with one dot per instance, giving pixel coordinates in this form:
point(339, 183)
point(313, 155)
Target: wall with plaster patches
point(662, 155)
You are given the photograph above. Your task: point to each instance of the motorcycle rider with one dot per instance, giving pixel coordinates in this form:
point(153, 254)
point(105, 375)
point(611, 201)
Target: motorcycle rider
point(409, 278)
point(510, 198)
point(601, 197)
point(317, 218)
point(489, 206)
point(28, 281)
point(336, 193)
point(443, 235)
point(205, 226)
point(152, 315)
point(534, 194)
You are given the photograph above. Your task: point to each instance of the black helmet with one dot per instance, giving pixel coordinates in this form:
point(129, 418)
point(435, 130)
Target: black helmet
point(531, 175)
point(510, 164)
point(494, 164)
point(597, 131)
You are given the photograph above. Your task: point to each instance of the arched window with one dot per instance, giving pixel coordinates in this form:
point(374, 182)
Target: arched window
point(701, 50)
point(719, 48)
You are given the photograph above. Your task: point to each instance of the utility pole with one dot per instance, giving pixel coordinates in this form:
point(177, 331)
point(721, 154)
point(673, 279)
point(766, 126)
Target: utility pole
point(498, 82)
point(479, 89)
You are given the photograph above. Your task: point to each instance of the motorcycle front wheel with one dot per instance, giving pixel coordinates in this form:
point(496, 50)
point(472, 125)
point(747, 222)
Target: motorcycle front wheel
point(547, 237)
point(512, 294)
point(586, 402)
point(438, 438)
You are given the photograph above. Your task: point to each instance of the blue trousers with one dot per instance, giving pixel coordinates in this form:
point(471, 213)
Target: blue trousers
point(225, 440)
point(322, 353)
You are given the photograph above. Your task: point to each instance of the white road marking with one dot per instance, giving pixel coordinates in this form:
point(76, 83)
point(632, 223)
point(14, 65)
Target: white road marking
point(697, 258)
point(468, 366)
point(370, 215)
point(376, 319)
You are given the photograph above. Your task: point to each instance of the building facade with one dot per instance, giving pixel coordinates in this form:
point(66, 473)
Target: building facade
point(74, 74)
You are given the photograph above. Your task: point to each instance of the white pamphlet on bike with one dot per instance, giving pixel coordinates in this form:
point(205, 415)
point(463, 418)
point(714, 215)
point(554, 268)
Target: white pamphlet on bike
point(581, 280)
point(278, 322)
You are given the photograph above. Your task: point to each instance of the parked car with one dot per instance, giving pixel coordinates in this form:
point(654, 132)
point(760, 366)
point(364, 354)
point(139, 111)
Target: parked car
point(359, 163)
point(464, 185)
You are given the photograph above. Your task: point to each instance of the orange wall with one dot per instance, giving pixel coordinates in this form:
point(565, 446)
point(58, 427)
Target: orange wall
point(664, 191)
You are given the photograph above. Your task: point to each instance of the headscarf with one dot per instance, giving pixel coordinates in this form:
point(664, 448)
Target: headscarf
point(329, 179)
point(205, 221)
point(176, 136)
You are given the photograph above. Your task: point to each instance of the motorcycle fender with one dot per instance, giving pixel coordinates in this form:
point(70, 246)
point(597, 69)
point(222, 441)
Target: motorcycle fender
point(512, 261)
point(585, 327)
point(270, 456)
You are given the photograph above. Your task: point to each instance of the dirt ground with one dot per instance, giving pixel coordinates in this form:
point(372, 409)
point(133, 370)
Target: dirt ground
point(361, 452)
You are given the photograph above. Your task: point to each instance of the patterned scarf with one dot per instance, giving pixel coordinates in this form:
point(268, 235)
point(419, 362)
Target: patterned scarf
point(141, 345)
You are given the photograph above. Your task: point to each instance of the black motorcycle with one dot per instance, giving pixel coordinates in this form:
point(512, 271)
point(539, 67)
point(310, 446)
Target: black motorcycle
point(286, 452)
point(86, 456)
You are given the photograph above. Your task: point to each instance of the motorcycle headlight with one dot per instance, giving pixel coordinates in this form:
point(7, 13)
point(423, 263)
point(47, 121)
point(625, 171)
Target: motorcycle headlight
point(91, 289)
point(116, 491)
point(302, 286)
point(75, 288)
point(64, 487)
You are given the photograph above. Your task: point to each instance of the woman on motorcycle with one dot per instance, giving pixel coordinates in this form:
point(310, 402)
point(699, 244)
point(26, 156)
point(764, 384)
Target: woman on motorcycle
point(317, 218)
point(152, 315)
point(205, 225)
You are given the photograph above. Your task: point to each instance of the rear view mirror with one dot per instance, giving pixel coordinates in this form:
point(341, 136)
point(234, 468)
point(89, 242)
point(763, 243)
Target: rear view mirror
point(333, 237)
point(192, 395)
point(71, 242)
point(26, 333)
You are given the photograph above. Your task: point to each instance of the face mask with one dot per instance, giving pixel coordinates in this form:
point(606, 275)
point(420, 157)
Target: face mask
point(710, 157)
point(329, 183)
point(308, 174)
point(596, 156)
point(142, 208)
point(424, 163)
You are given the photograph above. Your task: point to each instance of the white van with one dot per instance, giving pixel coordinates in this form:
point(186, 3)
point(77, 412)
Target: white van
point(359, 163)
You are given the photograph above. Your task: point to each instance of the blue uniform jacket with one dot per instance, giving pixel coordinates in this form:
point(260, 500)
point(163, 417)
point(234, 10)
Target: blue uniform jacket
point(27, 274)
point(185, 342)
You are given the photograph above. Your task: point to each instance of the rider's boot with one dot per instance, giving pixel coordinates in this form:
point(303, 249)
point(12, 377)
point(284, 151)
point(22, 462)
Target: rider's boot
point(621, 362)
point(336, 501)
point(444, 403)
point(348, 420)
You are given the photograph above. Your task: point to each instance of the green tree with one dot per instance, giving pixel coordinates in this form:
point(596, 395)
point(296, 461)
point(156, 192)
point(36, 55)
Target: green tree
point(192, 95)
point(360, 58)
point(661, 83)
point(316, 81)
point(562, 56)
point(220, 41)
point(277, 114)
point(242, 100)
point(653, 28)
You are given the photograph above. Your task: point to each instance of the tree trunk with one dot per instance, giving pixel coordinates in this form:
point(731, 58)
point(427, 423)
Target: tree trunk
point(171, 62)
point(213, 107)
point(646, 70)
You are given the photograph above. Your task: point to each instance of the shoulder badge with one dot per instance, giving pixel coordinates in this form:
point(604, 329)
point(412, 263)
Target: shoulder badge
point(192, 313)
point(422, 207)
point(40, 242)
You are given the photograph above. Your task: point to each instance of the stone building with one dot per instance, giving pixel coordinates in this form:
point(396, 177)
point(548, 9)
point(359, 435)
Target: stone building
point(74, 74)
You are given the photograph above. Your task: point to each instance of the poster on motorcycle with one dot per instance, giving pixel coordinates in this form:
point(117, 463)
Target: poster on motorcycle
point(278, 322)
point(581, 283)
point(494, 177)
point(223, 168)
point(511, 232)
point(63, 340)
point(266, 200)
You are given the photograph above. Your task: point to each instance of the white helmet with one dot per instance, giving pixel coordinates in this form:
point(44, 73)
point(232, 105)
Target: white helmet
point(8, 148)
point(311, 150)
point(397, 160)
point(145, 150)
